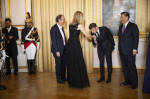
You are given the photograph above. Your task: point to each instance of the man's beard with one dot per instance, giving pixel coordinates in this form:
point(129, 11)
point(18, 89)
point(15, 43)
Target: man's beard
point(29, 26)
point(8, 26)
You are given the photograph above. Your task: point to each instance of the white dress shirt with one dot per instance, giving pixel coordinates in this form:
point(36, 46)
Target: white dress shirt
point(8, 29)
point(62, 33)
point(97, 34)
point(126, 24)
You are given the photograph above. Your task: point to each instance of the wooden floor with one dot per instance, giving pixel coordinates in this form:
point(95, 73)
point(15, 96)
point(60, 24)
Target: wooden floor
point(44, 86)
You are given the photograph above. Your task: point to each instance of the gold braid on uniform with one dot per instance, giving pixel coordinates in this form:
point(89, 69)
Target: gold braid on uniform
point(38, 38)
point(31, 35)
point(33, 32)
point(22, 42)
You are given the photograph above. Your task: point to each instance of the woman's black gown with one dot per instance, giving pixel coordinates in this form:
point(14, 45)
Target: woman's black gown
point(76, 69)
point(146, 84)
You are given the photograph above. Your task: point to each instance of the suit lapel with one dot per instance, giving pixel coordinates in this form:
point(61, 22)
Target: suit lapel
point(59, 31)
point(126, 29)
point(120, 30)
point(6, 34)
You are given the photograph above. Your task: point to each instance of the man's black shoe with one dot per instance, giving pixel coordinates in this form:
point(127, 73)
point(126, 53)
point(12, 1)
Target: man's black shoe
point(100, 80)
point(60, 82)
point(124, 84)
point(108, 80)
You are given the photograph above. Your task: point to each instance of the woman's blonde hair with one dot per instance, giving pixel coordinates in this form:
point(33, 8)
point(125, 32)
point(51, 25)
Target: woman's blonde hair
point(77, 18)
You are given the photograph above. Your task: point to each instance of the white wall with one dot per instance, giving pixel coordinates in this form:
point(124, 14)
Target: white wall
point(140, 58)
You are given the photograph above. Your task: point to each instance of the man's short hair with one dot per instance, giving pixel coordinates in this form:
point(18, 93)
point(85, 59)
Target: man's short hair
point(92, 25)
point(126, 14)
point(7, 19)
point(59, 17)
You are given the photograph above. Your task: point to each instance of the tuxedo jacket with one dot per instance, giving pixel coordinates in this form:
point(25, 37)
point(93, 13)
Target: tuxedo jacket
point(57, 40)
point(129, 40)
point(11, 47)
point(105, 40)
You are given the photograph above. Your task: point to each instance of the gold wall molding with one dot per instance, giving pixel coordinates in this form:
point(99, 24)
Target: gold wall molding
point(141, 15)
point(9, 11)
point(26, 8)
point(22, 67)
point(19, 25)
point(148, 16)
point(97, 12)
point(140, 36)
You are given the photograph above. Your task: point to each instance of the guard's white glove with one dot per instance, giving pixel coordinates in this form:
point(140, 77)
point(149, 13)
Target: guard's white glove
point(38, 45)
point(22, 48)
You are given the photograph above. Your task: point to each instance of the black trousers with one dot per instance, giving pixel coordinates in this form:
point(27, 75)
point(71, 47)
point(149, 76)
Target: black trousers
point(60, 66)
point(129, 69)
point(101, 54)
point(15, 63)
point(12, 52)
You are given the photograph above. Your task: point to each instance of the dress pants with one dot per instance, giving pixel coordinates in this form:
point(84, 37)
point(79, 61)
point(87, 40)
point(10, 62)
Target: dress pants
point(101, 54)
point(129, 69)
point(60, 66)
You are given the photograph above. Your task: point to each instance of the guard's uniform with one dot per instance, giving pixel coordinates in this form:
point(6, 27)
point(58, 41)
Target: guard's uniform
point(31, 41)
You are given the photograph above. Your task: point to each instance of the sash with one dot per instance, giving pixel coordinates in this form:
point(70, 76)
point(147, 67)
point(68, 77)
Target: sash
point(29, 39)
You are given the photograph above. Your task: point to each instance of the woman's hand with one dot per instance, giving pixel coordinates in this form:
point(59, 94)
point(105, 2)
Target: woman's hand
point(89, 37)
point(80, 27)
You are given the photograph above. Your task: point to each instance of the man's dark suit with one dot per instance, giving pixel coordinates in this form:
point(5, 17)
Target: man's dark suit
point(105, 47)
point(58, 46)
point(127, 42)
point(11, 48)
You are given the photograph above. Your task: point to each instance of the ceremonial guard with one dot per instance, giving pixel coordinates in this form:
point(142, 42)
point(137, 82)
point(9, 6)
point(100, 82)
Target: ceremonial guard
point(30, 43)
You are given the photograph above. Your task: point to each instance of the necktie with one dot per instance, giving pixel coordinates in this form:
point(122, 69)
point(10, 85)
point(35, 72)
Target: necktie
point(63, 34)
point(123, 29)
point(62, 29)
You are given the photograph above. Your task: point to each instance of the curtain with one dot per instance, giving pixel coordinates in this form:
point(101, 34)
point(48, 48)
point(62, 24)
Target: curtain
point(45, 12)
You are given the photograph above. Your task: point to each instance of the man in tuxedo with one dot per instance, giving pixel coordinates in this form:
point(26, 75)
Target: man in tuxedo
point(128, 48)
point(58, 48)
point(11, 36)
point(105, 41)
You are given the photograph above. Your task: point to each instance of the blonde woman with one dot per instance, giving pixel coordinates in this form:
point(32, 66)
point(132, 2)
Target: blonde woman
point(76, 68)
